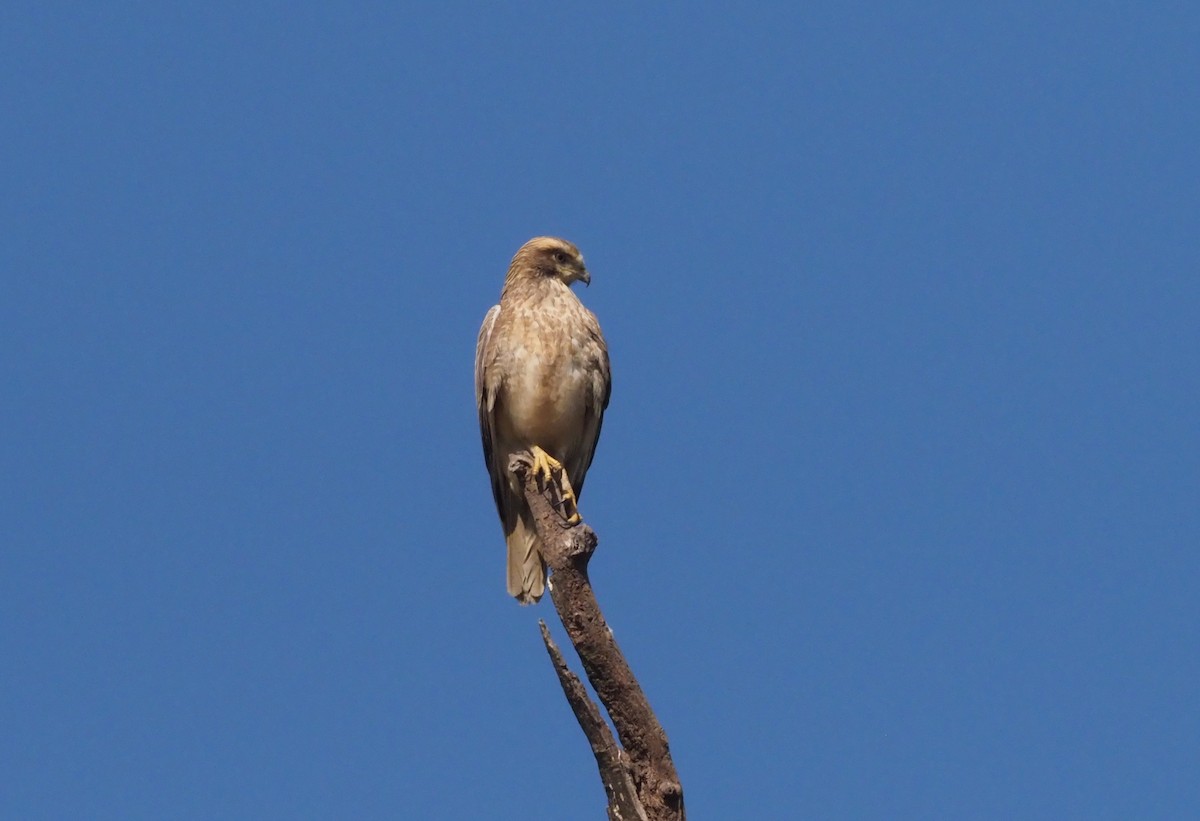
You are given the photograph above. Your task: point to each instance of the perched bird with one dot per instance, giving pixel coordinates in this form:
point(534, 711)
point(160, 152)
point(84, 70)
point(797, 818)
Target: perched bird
point(542, 382)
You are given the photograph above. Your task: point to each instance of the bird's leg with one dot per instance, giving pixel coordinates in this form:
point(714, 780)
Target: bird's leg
point(569, 504)
point(544, 469)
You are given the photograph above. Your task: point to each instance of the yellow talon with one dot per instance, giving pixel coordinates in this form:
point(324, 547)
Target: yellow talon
point(544, 467)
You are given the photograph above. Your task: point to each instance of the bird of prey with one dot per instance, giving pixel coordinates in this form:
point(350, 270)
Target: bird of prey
point(542, 382)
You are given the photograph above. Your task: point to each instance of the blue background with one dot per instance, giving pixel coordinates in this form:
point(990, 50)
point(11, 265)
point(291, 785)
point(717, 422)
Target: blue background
point(897, 493)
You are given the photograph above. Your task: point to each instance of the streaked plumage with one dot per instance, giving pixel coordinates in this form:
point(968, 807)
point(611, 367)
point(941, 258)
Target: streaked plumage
point(542, 379)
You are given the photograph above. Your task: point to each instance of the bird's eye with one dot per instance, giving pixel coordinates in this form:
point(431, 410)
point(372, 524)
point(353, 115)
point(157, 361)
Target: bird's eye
point(559, 256)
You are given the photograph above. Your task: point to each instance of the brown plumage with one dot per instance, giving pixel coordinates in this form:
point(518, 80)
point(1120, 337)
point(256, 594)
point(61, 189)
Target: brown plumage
point(542, 380)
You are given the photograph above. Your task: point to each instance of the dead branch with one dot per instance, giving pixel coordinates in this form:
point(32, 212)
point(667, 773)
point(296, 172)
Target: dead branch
point(611, 760)
point(643, 758)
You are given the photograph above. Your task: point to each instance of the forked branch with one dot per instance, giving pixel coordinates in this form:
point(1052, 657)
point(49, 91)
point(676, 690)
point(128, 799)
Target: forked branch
point(642, 760)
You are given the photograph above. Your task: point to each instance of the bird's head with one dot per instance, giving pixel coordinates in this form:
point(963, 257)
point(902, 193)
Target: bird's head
point(552, 257)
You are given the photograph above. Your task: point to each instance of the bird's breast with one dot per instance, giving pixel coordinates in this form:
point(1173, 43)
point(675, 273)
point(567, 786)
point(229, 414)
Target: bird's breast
point(547, 391)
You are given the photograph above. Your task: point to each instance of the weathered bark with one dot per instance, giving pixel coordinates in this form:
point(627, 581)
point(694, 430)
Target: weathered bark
point(623, 803)
point(643, 758)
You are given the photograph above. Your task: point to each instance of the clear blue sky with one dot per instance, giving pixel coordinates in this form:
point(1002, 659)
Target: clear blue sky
point(897, 493)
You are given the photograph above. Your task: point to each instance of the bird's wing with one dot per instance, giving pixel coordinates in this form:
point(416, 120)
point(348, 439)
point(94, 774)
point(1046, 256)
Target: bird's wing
point(596, 401)
point(486, 385)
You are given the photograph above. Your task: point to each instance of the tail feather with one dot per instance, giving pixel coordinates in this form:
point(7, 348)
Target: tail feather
point(526, 571)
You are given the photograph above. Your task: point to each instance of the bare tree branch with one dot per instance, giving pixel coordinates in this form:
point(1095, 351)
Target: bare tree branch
point(611, 760)
point(646, 755)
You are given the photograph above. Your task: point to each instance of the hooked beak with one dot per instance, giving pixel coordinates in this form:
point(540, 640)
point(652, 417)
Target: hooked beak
point(585, 277)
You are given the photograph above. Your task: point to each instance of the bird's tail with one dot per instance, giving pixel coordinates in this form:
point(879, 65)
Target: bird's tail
point(526, 570)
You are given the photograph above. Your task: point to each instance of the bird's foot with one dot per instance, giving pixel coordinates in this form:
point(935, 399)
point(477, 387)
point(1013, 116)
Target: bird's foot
point(545, 468)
